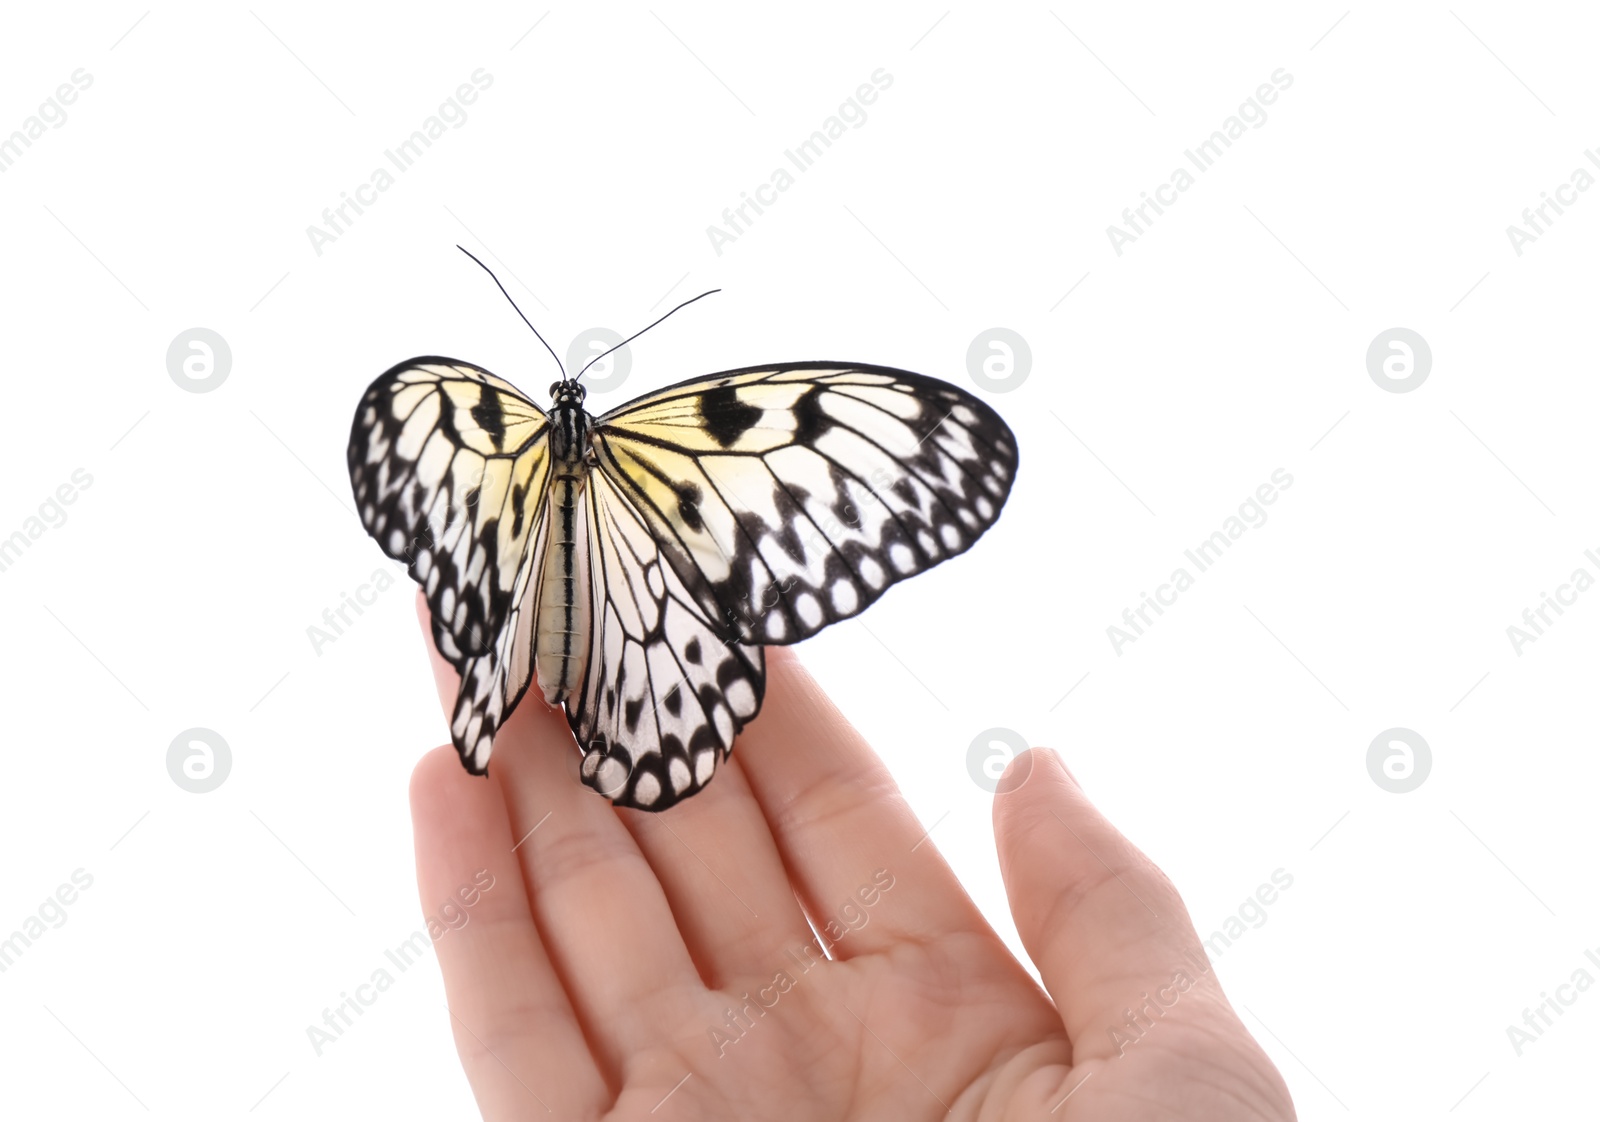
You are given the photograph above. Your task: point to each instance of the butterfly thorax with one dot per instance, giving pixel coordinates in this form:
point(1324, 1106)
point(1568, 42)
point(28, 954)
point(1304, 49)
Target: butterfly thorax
point(569, 427)
point(562, 620)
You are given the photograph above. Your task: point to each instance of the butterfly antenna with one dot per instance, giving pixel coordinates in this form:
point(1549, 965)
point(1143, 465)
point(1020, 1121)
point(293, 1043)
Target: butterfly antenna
point(525, 319)
point(641, 331)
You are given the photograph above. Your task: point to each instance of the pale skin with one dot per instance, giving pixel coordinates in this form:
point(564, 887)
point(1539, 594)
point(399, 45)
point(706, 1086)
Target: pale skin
point(586, 983)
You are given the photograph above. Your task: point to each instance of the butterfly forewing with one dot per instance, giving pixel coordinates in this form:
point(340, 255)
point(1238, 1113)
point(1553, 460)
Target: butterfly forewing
point(448, 464)
point(788, 498)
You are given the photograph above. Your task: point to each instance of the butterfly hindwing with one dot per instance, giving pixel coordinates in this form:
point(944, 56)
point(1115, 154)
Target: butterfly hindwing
point(663, 695)
point(787, 498)
point(448, 464)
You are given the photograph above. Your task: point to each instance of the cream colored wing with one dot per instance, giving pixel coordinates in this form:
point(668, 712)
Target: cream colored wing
point(449, 466)
point(787, 498)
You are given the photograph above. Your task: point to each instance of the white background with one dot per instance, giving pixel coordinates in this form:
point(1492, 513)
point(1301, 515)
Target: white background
point(1228, 341)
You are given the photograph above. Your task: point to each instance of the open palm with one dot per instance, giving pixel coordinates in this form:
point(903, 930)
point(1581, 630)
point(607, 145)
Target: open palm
point(626, 965)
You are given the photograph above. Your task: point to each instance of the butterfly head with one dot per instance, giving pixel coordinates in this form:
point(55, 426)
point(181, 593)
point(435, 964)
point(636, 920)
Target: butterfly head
point(566, 393)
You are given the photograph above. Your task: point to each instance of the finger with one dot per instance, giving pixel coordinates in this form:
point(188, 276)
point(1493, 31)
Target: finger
point(1107, 929)
point(719, 866)
point(600, 910)
point(845, 832)
point(518, 1037)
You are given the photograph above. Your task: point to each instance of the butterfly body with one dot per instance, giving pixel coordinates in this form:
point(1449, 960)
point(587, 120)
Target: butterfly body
point(561, 624)
point(634, 564)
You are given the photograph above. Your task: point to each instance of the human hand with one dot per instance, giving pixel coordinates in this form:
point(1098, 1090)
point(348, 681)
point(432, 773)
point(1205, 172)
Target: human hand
point(628, 965)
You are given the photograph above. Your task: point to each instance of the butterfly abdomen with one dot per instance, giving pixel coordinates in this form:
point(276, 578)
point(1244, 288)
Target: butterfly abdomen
point(562, 624)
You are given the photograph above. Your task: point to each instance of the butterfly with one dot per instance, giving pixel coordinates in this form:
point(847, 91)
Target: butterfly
point(634, 564)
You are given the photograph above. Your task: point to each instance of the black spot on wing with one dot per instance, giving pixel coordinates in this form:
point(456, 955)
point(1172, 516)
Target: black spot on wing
point(810, 420)
point(490, 417)
point(790, 502)
point(689, 506)
point(726, 417)
point(519, 497)
point(731, 671)
point(704, 738)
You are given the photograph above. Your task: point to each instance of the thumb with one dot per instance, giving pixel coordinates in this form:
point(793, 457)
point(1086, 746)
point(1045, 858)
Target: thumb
point(1107, 929)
